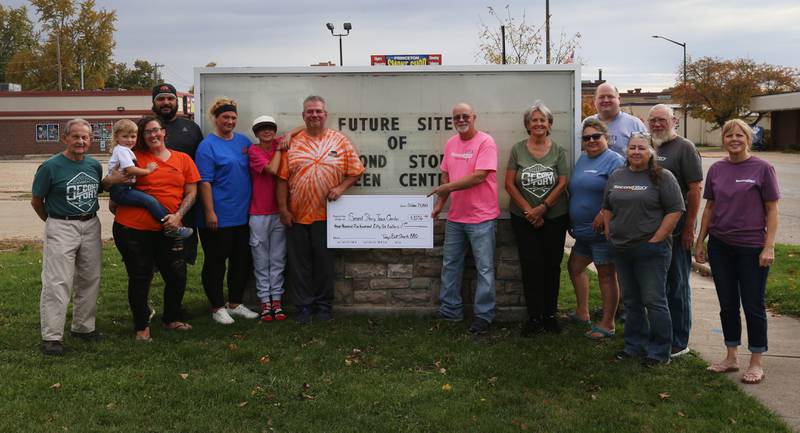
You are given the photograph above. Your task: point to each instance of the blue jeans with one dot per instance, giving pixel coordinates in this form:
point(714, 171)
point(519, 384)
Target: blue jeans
point(679, 295)
point(128, 196)
point(642, 274)
point(739, 277)
point(481, 237)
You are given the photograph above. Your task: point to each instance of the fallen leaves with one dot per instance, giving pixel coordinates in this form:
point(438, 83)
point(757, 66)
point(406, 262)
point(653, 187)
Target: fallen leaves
point(663, 396)
point(184, 376)
point(56, 385)
point(492, 381)
point(243, 403)
point(233, 347)
point(447, 387)
point(264, 360)
point(305, 394)
point(355, 357)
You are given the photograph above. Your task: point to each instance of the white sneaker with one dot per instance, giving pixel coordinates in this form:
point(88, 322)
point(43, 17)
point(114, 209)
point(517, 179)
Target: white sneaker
point(242, 311)
point(222, 317)
point(679, 353)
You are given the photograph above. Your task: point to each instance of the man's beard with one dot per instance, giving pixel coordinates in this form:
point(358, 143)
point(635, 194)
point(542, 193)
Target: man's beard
point(663, 137)
point(173, 110)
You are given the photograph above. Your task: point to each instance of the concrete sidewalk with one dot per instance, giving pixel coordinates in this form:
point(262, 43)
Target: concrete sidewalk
point(780, 390)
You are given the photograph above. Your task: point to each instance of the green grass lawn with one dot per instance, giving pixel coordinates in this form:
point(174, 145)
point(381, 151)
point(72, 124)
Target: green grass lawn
point(356, 374)
point(783, 287)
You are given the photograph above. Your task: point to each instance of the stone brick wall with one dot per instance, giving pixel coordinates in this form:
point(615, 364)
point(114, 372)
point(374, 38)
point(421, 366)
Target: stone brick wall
point(408, 280)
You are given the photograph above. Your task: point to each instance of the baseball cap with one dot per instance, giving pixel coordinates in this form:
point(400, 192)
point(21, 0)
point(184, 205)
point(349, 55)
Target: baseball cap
point(262, 122)
point(164, 89)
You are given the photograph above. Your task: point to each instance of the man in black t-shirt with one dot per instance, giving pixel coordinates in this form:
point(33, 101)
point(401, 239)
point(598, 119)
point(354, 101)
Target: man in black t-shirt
point(184, 136)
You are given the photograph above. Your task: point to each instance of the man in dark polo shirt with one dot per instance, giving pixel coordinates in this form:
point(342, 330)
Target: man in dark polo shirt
point(679, 156)
point(184, 136)
point(64, 193)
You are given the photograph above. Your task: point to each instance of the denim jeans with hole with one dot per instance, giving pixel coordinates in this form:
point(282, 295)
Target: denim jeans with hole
point(642, 274)
point(457, 237)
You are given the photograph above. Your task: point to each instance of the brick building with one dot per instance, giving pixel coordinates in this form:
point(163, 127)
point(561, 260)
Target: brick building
point(31, 122)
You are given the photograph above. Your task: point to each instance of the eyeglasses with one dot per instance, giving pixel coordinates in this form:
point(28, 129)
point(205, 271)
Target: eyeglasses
point(458, 117)
point(595, 137)
point(153, 131)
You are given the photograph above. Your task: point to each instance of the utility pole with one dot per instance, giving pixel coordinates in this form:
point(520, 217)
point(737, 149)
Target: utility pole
point(156, 73)
point(547, 29)
point(503, 36)
point(82, 63)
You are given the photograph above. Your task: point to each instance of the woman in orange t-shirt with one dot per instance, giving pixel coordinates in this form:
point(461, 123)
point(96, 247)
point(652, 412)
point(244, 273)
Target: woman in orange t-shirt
point(140, 238)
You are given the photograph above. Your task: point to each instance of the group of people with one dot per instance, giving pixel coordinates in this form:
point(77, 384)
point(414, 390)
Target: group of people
point(166, 181)
point(630, 202)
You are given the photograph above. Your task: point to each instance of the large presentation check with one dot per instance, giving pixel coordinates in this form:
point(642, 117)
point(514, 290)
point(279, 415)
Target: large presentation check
point(380, 221)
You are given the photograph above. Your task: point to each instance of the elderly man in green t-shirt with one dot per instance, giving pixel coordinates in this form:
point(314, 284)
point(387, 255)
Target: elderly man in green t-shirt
point(65, 197)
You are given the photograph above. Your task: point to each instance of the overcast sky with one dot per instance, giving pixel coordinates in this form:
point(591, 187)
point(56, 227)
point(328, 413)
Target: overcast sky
point(183, 34)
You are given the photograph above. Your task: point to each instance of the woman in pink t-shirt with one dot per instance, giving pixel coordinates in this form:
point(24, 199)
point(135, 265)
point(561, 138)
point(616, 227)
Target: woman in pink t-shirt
point(741, 218)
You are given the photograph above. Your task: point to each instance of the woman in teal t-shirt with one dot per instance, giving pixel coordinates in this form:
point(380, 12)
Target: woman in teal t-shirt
point(536, 180)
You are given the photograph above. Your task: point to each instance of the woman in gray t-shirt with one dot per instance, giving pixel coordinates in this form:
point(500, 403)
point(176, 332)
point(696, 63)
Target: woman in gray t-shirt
point(536, 182)
point(642, 204)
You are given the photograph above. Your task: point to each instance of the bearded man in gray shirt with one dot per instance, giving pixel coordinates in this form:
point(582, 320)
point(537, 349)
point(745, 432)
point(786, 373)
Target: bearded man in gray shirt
point(680, 157)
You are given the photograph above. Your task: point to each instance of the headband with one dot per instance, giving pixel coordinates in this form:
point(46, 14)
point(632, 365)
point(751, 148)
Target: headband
point(224, 109)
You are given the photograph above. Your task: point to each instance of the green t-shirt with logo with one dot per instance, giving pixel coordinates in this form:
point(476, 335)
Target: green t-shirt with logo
point(536, 178)
point(68, 187)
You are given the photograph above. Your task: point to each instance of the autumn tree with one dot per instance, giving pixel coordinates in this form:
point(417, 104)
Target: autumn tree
point(73, 34)
point(16, 34)
point(142, 76)
point(524, 41)
point(719, 90)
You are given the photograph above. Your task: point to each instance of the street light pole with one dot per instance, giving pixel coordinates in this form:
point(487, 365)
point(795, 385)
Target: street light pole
point(347, 27)
point(685, 82)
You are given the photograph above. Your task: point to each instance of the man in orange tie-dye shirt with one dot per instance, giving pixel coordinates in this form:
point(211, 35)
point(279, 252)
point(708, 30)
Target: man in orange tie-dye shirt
point(320, 165)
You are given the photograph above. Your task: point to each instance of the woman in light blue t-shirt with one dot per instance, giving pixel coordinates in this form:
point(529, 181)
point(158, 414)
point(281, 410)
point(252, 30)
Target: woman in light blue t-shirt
point(586, 187)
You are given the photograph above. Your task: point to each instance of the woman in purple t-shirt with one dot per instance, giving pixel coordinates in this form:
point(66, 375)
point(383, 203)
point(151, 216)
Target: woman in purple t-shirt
point(741, 218)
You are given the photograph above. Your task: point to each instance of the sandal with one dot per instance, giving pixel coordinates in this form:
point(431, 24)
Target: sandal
point(178, 326)
point(573, 319)
point(597, 333)
point(721, 367)
point(753, 375)
point(144, 338)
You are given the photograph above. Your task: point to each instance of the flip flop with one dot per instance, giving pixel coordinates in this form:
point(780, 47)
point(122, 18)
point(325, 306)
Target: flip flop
point(721, 368)
point(143, 339)
point(573, 319)
point(753, 375)
point(597, 333)
point(178, 326)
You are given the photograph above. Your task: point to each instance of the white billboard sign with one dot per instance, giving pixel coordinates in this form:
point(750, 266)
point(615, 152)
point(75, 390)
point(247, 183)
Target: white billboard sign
point(399, 117)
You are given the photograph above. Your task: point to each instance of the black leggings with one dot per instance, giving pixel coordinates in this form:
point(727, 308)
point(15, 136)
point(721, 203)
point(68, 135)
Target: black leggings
point(540, 253)
point(231, 245)
point(141, 250)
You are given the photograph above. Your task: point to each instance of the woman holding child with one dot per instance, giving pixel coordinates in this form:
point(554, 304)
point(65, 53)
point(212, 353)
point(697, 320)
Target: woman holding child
point(170, 178)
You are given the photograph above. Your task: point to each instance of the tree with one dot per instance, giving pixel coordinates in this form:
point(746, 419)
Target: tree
point(142, 76)
point(524, 41)
point(16, 34)
point(719, 90)
point(72, 36)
